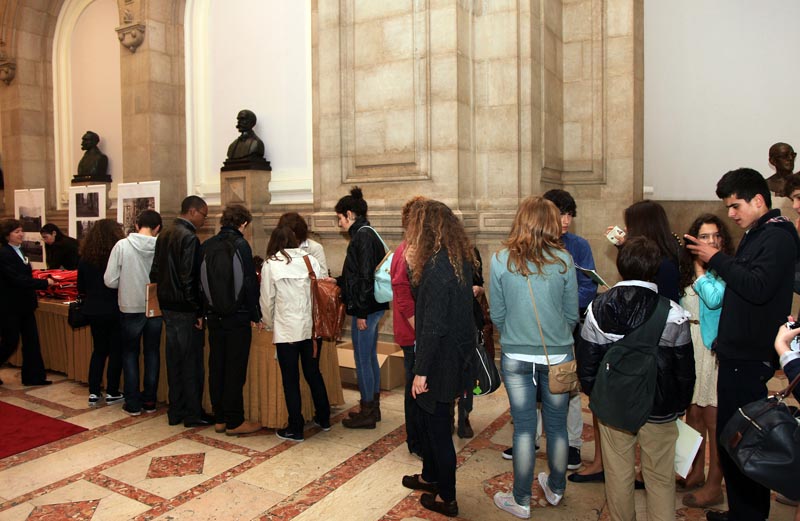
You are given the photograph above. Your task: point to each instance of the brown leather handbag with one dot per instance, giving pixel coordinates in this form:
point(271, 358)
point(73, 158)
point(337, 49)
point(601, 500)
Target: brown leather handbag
point(327, 306)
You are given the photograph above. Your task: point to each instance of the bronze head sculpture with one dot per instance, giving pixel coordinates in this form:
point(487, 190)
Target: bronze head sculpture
point(247, 151)
point(93, 166)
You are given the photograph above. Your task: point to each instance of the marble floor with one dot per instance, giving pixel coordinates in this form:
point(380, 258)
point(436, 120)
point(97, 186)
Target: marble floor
point(140, 468)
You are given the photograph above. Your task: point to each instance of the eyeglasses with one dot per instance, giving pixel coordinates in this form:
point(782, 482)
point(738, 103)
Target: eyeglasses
point(204, 214)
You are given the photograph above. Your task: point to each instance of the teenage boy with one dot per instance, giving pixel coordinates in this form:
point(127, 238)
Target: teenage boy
point(581, 253)
point(757, 300)
point(129, 270)
point(612, 316)
point(176, 270)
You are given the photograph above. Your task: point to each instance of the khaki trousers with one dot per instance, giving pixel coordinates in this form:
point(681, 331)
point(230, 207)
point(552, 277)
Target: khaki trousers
point(657, 442)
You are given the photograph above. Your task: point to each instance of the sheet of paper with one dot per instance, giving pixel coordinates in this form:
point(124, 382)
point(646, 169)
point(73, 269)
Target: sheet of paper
point(686, 448)
point(592, 274)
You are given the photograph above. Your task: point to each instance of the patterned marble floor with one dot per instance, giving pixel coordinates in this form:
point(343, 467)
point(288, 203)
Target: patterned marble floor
point(140, 468)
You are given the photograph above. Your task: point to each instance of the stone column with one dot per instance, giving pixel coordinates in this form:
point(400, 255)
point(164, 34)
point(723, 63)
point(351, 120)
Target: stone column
point(153, 107)
point(26, 102)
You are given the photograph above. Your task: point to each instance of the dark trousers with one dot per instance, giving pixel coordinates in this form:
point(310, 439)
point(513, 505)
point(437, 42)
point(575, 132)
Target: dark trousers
point(288, 354)
point(106, 345)
point(229, 345)
point(140, 334)
point(739, 383)
point(185, 369)
point(409, 405)
point(438, 452)
point(12, 327)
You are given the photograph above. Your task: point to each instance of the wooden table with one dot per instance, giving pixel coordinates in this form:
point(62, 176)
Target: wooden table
point(68, 351)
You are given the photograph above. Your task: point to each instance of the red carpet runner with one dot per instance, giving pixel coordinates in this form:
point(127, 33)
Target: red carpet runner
point(21, 429)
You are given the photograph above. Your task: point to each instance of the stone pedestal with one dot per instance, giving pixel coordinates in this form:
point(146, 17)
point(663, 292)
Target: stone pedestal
point(249, 188)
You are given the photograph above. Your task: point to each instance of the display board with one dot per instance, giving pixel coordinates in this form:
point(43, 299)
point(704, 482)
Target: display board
point(133, 198)
point(29, 209)
point(87, 205)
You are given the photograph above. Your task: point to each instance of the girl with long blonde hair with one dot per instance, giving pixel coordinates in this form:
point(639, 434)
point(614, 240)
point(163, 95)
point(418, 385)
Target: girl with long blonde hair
point(533, 281)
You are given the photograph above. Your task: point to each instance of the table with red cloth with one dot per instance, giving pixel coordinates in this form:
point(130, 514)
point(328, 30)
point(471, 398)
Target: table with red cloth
point(68, 351)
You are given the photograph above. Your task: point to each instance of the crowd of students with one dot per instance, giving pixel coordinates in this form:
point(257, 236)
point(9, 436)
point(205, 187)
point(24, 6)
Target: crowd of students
point(710, 314)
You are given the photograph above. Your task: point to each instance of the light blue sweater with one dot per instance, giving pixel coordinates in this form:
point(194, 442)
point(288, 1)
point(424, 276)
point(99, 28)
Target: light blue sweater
point(710, 288)
point(512, 311)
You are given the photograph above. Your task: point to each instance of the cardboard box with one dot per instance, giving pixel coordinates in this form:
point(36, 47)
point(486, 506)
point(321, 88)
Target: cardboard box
point(390, 359)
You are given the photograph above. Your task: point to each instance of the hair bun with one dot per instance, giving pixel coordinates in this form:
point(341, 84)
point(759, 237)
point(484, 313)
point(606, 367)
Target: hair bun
point(356, 193)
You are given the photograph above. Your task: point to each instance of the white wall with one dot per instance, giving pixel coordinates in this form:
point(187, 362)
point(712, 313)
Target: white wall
point(721, 83)
point(250, 54)
point(95, 85)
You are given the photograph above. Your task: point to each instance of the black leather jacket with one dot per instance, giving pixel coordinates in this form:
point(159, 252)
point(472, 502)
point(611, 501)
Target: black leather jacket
point(176, 268)
point(357, 280)
point(617, 312)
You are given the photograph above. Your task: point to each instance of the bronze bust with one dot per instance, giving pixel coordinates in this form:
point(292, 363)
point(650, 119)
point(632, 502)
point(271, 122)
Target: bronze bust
point(93, 166)
point(247, 151)
point(781, 156)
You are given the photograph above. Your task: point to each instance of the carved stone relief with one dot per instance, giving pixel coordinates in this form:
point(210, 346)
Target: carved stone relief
point(131, 29)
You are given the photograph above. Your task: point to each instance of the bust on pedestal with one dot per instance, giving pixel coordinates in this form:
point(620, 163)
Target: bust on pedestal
point(93, 166)
point(247, 151)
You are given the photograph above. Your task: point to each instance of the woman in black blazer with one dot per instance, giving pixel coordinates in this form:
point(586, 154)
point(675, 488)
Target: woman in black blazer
point(18, 303)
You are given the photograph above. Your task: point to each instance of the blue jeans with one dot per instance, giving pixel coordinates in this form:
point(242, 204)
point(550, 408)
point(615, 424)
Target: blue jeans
point(365, 347)
point(138, 330)
point(518, 379)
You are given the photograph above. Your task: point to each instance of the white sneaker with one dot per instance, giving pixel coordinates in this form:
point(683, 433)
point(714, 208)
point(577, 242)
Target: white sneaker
point(505, 501)
point(552, 498)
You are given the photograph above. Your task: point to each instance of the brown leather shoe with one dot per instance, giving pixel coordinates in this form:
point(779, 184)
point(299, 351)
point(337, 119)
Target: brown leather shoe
point(245, 428)
point(219, 428)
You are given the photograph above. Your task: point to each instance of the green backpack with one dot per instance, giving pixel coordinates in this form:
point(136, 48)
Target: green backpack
point(625, 385)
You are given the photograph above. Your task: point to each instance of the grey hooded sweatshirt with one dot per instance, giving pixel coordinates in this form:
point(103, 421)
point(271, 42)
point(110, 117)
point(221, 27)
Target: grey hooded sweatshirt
point(129, 270)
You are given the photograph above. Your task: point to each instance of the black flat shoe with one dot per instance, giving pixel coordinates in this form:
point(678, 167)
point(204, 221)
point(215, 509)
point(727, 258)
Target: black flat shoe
point(446, 508)
point(597, 477)
point(716, 515)
point(415, 482)
point(197, 422)
point(37, 382)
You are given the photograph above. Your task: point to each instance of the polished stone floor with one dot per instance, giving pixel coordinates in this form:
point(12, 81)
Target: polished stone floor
point(141, 468)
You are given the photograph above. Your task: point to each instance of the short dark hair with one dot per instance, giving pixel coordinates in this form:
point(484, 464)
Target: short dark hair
point(792, 184)
point(744, 183)
point(639, 259)
point(235, 215)
point(192, 201)
point(6, 227)
point(51, 228)
point(563, 201)
point(296, 222)
point(354, 203)
point(148, 219)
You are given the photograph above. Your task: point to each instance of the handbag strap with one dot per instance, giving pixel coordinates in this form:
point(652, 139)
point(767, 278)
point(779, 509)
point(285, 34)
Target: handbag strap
point(539, 323)
point(788, 391)
point(311, 274)
point(385, 246)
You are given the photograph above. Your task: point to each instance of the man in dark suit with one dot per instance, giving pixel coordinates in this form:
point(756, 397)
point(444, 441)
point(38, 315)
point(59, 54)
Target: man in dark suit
point(18, 303)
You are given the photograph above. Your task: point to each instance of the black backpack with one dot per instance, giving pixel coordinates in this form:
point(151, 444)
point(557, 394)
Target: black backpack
point(625, 385)
point(222, 275)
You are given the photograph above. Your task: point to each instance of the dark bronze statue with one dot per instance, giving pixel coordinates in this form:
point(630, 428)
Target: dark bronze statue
point(781, 156)
point(247, 152)
point(93, 166)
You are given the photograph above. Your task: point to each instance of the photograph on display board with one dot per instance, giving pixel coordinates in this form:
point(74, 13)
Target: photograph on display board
point(133, 207)
point(29, 210)
point(84, 225)
point(87, 204)
point(33, 250)
point(31, 218)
